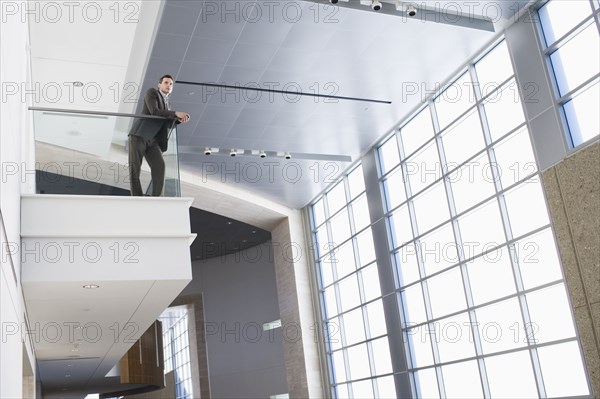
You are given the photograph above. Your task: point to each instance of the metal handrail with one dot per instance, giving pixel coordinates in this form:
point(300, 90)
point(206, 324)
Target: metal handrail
point(71, 111)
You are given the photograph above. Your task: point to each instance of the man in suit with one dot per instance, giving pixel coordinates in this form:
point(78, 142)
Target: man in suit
point(148, 137)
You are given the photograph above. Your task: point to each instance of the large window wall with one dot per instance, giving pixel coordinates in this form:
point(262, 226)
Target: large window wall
point(483, 307)
point(571, 41)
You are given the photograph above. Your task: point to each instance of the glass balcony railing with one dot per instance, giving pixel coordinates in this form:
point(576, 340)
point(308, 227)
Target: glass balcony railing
point(87, 153)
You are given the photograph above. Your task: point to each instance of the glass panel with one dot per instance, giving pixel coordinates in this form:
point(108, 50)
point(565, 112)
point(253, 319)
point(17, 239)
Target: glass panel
point(581, 113)
point(463, 140)
point(386, 387)
point(577, 60)
point(462, 381)
point(412, 302)
point(340, 227)
point(419, 343)
point(455, 339)
point(100, 142)
point(370, 279)
point(358, 359)
point(455, 100)
point(389, 156)
point(343, 260)
point(381, 357)
point(472, 183)
point(559, 17)
point(342, 391)
point(426, 384)
point(562, 370)
point(494, 68)
point(526, 205)
point(330, 301)
point(395, 193)
point(354, 327)
point(362, 389)
point(323, 244)
point(550, 315)
point(339, 368)
point(376, 319)
point(319, 212)
point(349, 294)
point(416, 132)
point(333, 333)
point(501, 326)
point(360, 211)
point(538, 259)
point(514, 158)
point(431, 208)
point(336, 198)
point(401, 226)
point(356, 182)
point(424, 168)
point(446, 293)
point(504, 111)
point(475, 238)
point(438, 249)
point(491, 276)
point(406, 265)
point(326, 272)
point(366, 250)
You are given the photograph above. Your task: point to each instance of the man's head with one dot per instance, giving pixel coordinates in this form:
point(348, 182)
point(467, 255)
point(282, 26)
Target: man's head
point(165, 84)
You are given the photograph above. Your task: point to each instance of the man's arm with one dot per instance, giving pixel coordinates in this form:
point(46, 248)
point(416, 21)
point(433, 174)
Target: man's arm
point(152, 103)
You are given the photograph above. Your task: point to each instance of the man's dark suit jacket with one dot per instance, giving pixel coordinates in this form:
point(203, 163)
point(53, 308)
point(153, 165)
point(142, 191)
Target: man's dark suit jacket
point(154, 104)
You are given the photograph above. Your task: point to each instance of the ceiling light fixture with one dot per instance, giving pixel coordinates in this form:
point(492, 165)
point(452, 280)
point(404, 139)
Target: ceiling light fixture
point(233, 152)
point(91, 286)
point(262, 154)
point(376, 5)
point(408, 8)
point(78, 84)
point(287, 155)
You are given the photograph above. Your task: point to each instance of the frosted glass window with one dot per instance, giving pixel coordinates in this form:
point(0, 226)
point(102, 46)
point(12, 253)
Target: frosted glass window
point(416, 132)
point(356, 182)
point(439, 249)
point(455, 339)
point(360, 211)
point(406, 264)
point(340, 228)
point(330, 301)
point(446, 293)
point(349, 295)
point(376, 319)
point(342, 259)
point(504, 111)
point(394, 189)
point(339, 368)
point(562, 370)
point(514, 158)
point(336, 198)
point(426, 384)
point(366, 250)
point(362, 389)
point(501, 327)
point(370, 279)
point(419, 342)
point(412, 301)
point(481, 229)
point(462, 381)
point(538, 259)
point(559, 17)
point(381, 357)
point(491, 276)
point(550, 314)
point(494, 68)
point(463, 140)
point(454, 100)
point(386, 387)
point(511, 376)
point(389, 156)
point(424, 168)
point(472, 183)
point(581, 113)
point(577, 60)
point(431, 208)
point(358, 359)
point(354, 329)
point(401, 226)
point(526, 208)
point(319, 212)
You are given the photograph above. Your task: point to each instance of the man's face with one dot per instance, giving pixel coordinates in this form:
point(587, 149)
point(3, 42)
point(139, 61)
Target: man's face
point(166, 86)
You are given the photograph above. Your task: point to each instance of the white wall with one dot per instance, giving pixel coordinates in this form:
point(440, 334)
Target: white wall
point(14, 150)
point(240, 294)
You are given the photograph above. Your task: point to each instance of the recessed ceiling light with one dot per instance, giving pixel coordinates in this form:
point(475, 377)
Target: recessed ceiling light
point(191, 93)
point(91, 286)
point(229, 222)
point(78, 84)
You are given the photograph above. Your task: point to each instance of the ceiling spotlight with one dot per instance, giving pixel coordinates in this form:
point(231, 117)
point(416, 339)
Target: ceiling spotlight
point(287, 155)
point(78, 84)
point(91, 286)
point(411, 10)
point(376, 5)
point(233, 152)
point(207, 151)
point(262, 154)
point(333, 1)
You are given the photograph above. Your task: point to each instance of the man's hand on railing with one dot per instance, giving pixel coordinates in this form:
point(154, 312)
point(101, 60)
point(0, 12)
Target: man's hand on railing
point(182, 117)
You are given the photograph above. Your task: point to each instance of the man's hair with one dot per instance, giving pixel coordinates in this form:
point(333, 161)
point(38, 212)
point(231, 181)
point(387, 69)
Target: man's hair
point(165, 76)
